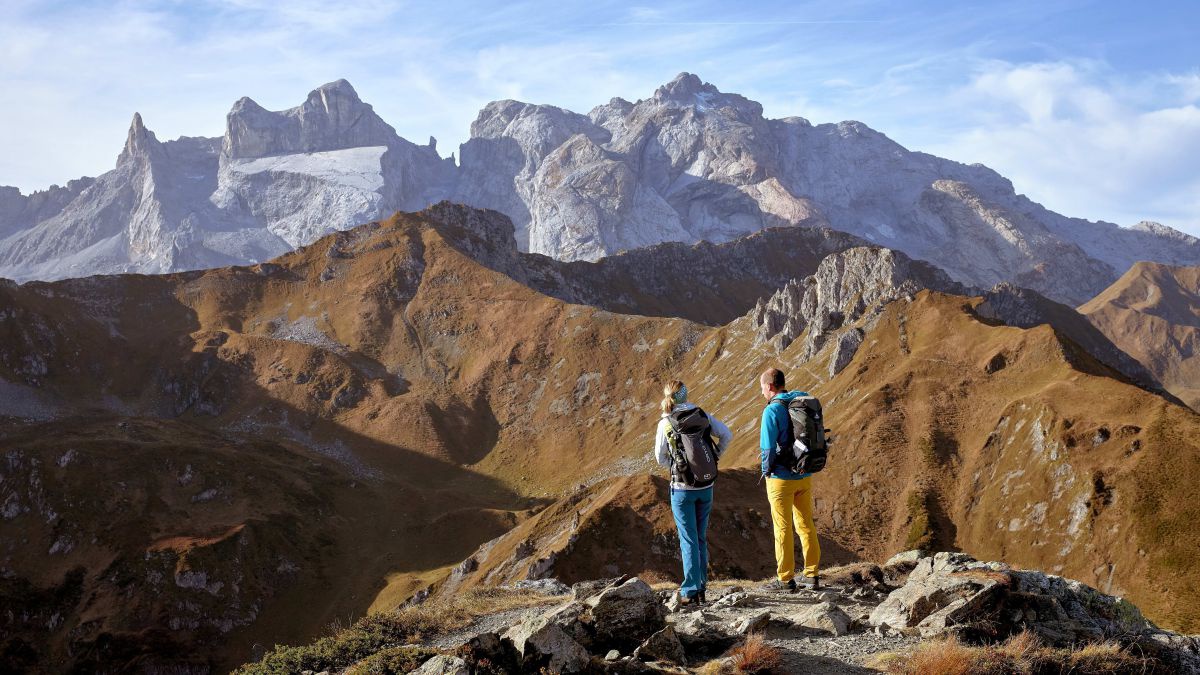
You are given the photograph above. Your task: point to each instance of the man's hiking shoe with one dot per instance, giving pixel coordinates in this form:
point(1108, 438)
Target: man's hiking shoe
point(811, 583)
point(700, 597)
point(788, 586)
point(690, 599)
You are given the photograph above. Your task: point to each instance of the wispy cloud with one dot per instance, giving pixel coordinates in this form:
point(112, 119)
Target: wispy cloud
point(1079, 138)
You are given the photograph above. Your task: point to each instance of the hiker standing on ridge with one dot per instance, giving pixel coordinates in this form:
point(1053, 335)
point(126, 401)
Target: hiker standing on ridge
point(789, 493)
point(684, 445)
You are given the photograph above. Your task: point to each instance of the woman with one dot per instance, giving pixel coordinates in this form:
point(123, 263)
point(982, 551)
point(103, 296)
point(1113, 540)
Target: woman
point(691, 504)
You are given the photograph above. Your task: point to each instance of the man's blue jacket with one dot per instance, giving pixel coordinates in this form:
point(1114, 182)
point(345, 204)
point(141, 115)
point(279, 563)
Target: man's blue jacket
point(774, 433)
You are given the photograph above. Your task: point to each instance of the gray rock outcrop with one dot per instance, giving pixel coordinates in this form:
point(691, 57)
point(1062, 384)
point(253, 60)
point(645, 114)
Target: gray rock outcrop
point(923, 597)
point(846, 287)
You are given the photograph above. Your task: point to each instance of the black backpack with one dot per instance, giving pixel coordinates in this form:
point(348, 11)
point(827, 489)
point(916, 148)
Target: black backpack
point(807, 448)
point(693, 453)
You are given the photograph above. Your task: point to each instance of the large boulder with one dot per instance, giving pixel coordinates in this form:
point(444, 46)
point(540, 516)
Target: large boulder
point(443, 664)
point(952, 592)
point(545, 644)
point(625, 615)
point(704, 633)
point(825, 617)
point(662, 646)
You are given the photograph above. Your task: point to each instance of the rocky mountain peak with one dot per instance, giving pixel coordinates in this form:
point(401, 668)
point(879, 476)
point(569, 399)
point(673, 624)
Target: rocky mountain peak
point(846, 287)
point(690, 91)
point(331, 92)
point(332, 117)
point(1161, 230)
point(139, 142)
point(684, 86)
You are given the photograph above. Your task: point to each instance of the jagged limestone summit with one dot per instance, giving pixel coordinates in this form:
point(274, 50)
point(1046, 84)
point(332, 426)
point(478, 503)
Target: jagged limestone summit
point(689, 163)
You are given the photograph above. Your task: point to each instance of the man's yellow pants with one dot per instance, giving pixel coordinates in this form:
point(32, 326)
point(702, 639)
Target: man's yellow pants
point(792, 506)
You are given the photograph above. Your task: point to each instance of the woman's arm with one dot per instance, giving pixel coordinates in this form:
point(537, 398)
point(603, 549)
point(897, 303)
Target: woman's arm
point(724, 435)
point(661, 450)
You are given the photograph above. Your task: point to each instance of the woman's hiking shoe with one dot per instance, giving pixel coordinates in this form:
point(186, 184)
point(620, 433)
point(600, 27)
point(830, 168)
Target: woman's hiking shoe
point(788, 586)
point(811, 583)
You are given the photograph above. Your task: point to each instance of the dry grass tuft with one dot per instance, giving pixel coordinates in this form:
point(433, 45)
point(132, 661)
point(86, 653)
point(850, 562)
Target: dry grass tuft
point(480, 601)
point(755, 656)
point(1021, 654)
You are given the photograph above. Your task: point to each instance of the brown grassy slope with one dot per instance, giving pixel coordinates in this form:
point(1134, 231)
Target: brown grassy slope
point(384, 349)
point(453, 393)
point(950, 432)
point(1046, 462)
point(1153, 313)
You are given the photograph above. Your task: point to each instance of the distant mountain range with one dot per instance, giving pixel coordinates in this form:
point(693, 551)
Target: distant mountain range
point(689, 163)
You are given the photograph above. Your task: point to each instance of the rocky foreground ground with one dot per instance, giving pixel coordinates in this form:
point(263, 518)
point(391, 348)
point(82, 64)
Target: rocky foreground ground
point(866, 617)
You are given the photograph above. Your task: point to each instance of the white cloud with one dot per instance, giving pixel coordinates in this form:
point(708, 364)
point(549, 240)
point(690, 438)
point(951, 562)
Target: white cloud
point(1080, 140)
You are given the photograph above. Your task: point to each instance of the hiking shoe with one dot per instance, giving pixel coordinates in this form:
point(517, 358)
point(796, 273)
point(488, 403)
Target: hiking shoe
point(690, 599)
point(700, 597)
point(811, 583)
point(788, 586)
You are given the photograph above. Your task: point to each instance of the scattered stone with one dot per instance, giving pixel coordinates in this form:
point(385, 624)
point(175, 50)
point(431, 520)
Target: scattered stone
point(905, 557)
point(672, 603)
point(543, 586)
point(443, 664)
point(612, 655)
point(702, 633)
point(715, 594)
point(826, 617)
point(662, 646)
point(752, 623)
point(736, 599)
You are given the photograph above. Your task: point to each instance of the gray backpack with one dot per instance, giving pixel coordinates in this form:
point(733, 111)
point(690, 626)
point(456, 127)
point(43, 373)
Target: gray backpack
point(693, 453)
point(808, 447)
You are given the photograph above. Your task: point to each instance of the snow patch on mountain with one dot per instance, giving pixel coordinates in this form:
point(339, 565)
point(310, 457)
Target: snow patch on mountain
point(358, 168)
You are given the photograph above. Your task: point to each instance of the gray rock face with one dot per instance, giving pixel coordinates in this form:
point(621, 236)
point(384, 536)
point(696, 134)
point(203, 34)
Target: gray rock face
point(332, 118)
point(825, 617)
point(443, 664)
point(543, 642)
point(706, 283)
point(694, 163)
point(662, 646)
point(274, 182)
point(952, 592)
point(624, 616)
point(846, 287)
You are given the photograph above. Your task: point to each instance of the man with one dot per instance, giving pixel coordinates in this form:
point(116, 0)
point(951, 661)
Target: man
point(789, 493)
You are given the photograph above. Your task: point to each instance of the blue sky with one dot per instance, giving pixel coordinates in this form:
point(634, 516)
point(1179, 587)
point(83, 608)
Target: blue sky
point(1092, 108)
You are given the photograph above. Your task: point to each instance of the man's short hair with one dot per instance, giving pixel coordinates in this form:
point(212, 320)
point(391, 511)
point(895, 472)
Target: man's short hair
point(773, 377)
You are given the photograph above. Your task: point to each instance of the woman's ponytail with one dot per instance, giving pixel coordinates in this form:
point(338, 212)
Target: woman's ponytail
point(670, 392)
